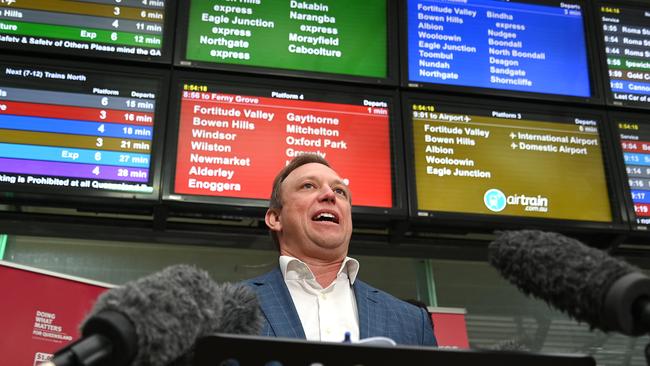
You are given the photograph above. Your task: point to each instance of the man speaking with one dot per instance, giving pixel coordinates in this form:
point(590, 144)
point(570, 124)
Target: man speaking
point(314, 293)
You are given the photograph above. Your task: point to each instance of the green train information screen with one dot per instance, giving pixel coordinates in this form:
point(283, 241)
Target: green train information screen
point(331, 36)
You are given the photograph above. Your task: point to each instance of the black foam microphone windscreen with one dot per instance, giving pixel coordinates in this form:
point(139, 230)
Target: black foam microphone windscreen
point(240, 313)
point(167, 312)
point(586, 283)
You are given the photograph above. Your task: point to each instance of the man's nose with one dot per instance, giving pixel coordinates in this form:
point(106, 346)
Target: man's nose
point(327, 194)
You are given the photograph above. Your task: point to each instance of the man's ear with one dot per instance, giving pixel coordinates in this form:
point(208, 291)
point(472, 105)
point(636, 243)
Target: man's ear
point(272, 219)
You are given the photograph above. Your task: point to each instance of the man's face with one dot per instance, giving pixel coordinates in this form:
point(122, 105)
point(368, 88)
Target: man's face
point(315, 220)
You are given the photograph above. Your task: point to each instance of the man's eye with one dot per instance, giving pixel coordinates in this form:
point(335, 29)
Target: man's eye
point(341, 191)
point(308, 186)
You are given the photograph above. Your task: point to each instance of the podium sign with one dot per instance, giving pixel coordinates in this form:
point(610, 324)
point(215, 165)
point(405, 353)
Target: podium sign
point(40, 312)
point(450, 327)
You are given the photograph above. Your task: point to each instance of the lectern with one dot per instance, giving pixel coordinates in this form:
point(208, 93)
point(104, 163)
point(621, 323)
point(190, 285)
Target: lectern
point(237, 350)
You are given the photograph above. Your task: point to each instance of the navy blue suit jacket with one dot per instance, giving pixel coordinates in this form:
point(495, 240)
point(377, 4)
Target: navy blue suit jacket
point(380, 314)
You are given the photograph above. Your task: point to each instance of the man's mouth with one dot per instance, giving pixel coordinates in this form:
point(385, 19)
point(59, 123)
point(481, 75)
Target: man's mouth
point(326, 216)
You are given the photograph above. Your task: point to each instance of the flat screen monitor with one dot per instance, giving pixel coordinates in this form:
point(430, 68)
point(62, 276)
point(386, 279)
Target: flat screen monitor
point(625, 52)
point(532, 48)
point(507, 162)
point(332, 39)
point(72, 129)
point(139, 30)
point(230, 136)
point(633, 149)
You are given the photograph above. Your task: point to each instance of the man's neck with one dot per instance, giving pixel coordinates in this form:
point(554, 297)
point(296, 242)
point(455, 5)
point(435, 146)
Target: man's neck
point(325, 273)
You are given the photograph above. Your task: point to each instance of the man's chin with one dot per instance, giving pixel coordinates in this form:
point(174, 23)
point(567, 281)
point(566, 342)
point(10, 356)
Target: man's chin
point(333, 245)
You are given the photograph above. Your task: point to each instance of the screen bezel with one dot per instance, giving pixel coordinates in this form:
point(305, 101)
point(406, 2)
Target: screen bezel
point(81, 197)
point(166, 50)
point(490, 222)
point(391, 55)
point(246, 206)
point(602, 56)
point(592, 61)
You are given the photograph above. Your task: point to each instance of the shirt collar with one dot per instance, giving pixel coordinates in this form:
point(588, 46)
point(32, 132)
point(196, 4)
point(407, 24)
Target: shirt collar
point(294, 269)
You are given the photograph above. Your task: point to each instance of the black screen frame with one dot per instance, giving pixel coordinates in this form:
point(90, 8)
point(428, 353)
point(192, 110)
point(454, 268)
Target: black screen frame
point(392, 58)
point(491, 222)
point(65, 53)
point(227, 206)
point(81, 198)
point(596, 97)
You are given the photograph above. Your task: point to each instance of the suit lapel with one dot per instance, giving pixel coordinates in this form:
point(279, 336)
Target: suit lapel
point(371, 317)
point(277, 306)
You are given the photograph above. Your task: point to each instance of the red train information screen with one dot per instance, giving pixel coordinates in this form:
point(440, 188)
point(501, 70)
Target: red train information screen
point(232, 140)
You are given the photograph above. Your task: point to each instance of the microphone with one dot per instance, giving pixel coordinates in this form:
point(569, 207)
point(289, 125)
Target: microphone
point(156, 320)
point(584, 282)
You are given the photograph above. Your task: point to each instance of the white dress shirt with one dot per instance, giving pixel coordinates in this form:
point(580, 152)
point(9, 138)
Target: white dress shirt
point(327, 313)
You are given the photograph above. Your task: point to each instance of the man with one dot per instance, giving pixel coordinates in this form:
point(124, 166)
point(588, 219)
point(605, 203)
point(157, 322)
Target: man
point(315, 294)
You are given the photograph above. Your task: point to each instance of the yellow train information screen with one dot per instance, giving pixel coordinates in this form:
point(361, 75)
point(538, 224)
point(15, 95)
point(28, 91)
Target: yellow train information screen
point(482, 160)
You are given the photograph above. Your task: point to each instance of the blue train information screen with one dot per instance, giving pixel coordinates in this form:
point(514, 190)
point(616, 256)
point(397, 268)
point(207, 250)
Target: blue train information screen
point(524, 46)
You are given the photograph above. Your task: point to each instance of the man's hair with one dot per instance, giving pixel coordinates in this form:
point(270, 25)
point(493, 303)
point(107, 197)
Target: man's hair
point(276, 194)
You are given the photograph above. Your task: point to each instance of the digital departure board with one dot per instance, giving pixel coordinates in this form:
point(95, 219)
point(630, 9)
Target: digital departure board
point(73, 130)
point(634, 138)
point(349, 39)
point(626, 39)
point(531, 46)
point(509, 160)
point(127, 29)
point(234, 136)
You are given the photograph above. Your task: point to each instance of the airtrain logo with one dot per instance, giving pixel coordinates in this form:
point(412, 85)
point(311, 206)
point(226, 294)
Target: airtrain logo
point(496, 201)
